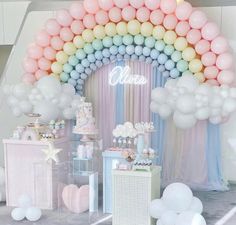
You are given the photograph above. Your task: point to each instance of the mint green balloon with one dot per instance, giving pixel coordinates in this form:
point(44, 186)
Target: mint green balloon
point(97, 45)
point(150, 42)
point(182, 65)
point(128, 39)
point(117, 40)
point(139, 39)
point(187, 72)
point(169, 49)
point(64, 77)
point(107, 42)
point(160, 45)
point(176, 56)
point(88, 49)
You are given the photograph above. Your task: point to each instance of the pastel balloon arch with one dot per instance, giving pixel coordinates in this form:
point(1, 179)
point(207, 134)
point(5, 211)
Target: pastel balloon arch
point(174, 37)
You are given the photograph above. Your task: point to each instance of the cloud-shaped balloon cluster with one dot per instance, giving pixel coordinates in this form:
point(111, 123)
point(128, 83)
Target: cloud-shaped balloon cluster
point(48, 97)
point(188, 102)
point(125, 130)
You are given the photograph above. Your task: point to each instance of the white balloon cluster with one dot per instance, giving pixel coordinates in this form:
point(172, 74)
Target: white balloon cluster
point(47, 97)
point(2, 185)
point(177, 206)
point(26, 210)
point(188, 101)
point(126, 130)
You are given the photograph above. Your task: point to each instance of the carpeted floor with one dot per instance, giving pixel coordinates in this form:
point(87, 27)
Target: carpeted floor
point(216, 205)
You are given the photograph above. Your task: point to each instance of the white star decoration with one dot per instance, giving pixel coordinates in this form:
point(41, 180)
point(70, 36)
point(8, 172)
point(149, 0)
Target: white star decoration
point(51, 152)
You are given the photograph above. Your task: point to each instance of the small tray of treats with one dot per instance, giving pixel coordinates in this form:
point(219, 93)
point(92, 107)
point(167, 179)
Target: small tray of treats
point(142, 165)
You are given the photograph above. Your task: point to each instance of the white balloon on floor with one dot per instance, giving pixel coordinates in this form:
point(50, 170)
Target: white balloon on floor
point(157, 208)
point(190, 218)
point(18, 214)
point(196, 205)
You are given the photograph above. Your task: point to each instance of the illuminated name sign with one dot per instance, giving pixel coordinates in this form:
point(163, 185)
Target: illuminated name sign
point(122, 75)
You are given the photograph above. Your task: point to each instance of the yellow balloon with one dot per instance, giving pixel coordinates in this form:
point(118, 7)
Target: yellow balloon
point(110, 29)
point(99, 32)
point(56, 67)
point(188, 54)
point(88, 35)
point(55, 75)
point(200, 76)
point(158, 32)
point(195, 66)
point(62, 57)
point(134, 27)
point(146, 29)
point(121, 28)
point(181, 43)
point(69, 48)
point(78, 42)
point(170, 37)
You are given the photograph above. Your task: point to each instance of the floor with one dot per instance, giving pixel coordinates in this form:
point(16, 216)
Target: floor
point(216, 205)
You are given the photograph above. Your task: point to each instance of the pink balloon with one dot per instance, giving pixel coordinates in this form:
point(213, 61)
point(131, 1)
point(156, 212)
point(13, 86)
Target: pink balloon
point(208, 59)
point(102, 17)
point(194, 36)
point(30, 65)
point(226, 77)
point(115, 15)
point(182, 28)
point(210, 31)
point(211, 72)
point(143, 14)
point(197, 19)
point(219, 45)
point(57, 43)
point(34, 51)
point(121, 3)
point(52, 27)
point(170, 22)
point(77, 27)
point(66, 34)
point(43, 38)
point(40, 74)
point(224, 61)
point(28, 78)
point(64, 18)
point(152, 4)
point(105, 4)
point(49, 53)
point(157, 17)
point(168, 6)
point(202, 47)
point(89, 21)
point(213, 82)
point(128, 13)
point(44, 64)
point(77, 10)
point(91, 6)
point(183, 10)
point(136, 3)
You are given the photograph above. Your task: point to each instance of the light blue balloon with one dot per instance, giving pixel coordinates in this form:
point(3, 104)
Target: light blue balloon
point(174, 73)
point(93, 66)
point(74, 74)
point(88, 71)
point(85, 63)
point(106, 53)
point(122, 49)
point(148, 60)
point(160, 45)
point(134, 57)
point(162, 58)
point(139, 39)
point(113, 58)
point(72, 82)
point(155, 63)
point(98, 55)
point(91, 58)
point(105, 61)
point(107, 42)
point(169, 64)
point(142, 58)
point(166, 74)
point(128, 39)
point(79, 87)
point(67, 68)
point(114, 50)
point(154, 54)
point(117, 40)
point(169, 49)
point(73, 60)
point(130, 49)
point(126, 57)
point(83, 76)
point(138, 50)
point(99, 63)
point(176, 56)
point(182, 65)
point(81, 93)
point(146, 51)
point(119, 57)
point(88, 48)
point(97, 44)
point(161, 68)
point(150, 42)
point(64, 77)
point(80, 54)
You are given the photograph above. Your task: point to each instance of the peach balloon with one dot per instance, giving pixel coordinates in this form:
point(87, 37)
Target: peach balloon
point(115, 14)
point(43, 38)
point(40, 74)
point(210, 31)
point(64, 18)
point(224, 61)
point(66, 34)
point(57, 43)
point(102, 17)
point(77, 27)
point(202, 47)
point(208, 59)
point(219, 45)
point(143, 14)
point(168, 6)
point(30, 65)
point(52, 27)
point(128, 13)
point(91, 6)
point(44, 64)
point(211, 72)
point(182, 28)
point(136, 3)
point(194, 36)
point(28, 78)
point(226, 77)
point(49, 53)
point(183, 10)
point(170, 22)
point(89, 21)
point(121, 3)
point(197, 19)
point(152, 4)
point(77, 10)
point(213, 82)
point(105, 4)
point(157, 17)
point(34, 51)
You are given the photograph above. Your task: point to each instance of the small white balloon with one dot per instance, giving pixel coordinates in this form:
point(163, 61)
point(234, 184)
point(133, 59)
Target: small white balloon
point(157, 208)
point(196, 205)
point(22, 90)
point(202, 113)
point(165, 111)
point(159, 95)
point(215, 119)
point(169, 217)
point(186, 104)
point(64, 100)
point(229, 105)
point(184, 121)
point(170, 84)
point(69, 113)
point(12, 101)
point(189, 82)
point(75, 103)
point(33, 214)
point(18, 214)
point(188, 217)
point(154, 107)
point(68, 89)
point(25, 106)
point(16, 111)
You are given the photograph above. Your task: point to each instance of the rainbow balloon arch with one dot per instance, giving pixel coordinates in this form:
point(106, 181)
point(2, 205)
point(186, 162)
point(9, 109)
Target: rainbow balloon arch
point(176, 38)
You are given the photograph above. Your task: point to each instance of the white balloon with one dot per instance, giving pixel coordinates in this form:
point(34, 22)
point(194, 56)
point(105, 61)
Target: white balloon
point(202, 113)
point(184, 121)
point(186, 104)
point(7, 89)
point(157, 208)
point(12, 101)
point(64, 100)
point(68, 89)
point(159, 95)
point(204, 89)
point(22, 90)
point(224, 93)
point(177, 197)
point(24, 201)
point(189, 82)
point(154, 107)
point(229, 105)
point(169, 217)
point(25, 106)
point(165, 111)
point(196, 205)
point(33, 214)
point(69, 113)
point(215, 112)
point(190, 218)
point(232, 92)
point(170, 84)
point(129, 125)
point(18, 214)
point(215, 119)
point(76, 103)
point(16, 111)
